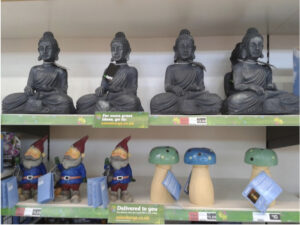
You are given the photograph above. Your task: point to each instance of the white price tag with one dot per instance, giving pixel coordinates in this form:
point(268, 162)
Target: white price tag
point(34, 212)
point(266, 217)
point(207, 216)
point(200, 121)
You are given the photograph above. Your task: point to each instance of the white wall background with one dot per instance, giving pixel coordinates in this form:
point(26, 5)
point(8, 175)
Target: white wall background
point(86, 60)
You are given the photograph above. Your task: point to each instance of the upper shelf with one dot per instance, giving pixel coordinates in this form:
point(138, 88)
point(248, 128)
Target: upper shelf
point(147, 18)
point(157, 120)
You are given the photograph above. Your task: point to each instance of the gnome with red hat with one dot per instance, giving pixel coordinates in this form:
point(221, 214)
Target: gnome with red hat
point(120, 174)
point(32, 168)
point(72, 172)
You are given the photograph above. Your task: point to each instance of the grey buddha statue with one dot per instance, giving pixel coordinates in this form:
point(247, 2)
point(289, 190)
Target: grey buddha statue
point(249, 86)
point(184, 84)
point(46, 90)
point(118, 89)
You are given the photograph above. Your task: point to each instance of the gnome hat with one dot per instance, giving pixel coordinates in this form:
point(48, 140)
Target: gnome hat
point(77, 148)
point(37, 148)
point(121, 149)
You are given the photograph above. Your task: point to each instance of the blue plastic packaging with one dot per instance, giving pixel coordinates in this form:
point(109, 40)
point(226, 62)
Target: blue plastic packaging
point(172, 185)
point(261, 191)
point(97, 192)
point(45, 188)
point(9, 192)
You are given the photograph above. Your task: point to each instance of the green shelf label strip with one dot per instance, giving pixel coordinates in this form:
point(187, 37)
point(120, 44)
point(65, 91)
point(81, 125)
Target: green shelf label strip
point(148, 213)
point(144, 120)
point(34, 119)
point(224, 120)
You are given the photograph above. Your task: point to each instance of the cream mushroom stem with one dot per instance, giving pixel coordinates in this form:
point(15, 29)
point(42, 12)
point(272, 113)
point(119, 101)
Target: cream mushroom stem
point(159, 194)
point(201, 189)
point(257, 170)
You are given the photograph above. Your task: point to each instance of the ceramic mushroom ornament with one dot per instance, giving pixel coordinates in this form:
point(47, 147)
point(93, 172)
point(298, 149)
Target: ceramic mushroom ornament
point(201, 189)
point(261, 159)
point(163, 157)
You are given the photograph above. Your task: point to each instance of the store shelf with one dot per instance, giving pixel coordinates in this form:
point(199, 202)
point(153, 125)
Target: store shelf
point(147, 18)
point(156, 120)
point(229, 205)
point(39, 119)
point(224, 120)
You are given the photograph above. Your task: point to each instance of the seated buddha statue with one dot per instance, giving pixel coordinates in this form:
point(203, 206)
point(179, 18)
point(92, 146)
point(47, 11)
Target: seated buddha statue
point(184, 84)
point(46, 90)
point(118, 89)
point(249, 87)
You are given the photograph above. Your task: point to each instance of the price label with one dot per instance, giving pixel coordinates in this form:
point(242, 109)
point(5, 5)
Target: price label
point(199, 121)
point(34, 212)
point(207, 216)
point(266, 217)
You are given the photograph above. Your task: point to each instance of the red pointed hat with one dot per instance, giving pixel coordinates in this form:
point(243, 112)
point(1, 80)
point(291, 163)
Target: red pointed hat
point(123, 144)
point(39, 144)
point(80, 144)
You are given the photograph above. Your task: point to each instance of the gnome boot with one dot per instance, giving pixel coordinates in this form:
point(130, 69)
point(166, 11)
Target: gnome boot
point(63, 195)
point(34, 193)
point(25, 194)
point(75, 196)
point(126, 197)
point(113, 196)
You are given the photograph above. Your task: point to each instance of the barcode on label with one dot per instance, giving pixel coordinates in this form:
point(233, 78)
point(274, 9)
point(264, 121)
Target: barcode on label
point(35, 212)
point(266, 217)
point(207, 216)
point(200, 121)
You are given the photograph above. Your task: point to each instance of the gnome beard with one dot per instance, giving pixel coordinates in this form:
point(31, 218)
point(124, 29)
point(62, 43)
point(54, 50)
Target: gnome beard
point(118, 163)
point(69, 163)
point(28, 162)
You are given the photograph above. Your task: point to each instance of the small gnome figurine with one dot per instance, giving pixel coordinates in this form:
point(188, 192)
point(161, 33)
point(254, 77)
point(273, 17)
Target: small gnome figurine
point(119, 173)
point(72, 172)
point(32, 168)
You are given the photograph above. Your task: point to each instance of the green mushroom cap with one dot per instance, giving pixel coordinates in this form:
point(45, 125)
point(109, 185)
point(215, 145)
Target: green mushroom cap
point(261, 157)
point(163, 155)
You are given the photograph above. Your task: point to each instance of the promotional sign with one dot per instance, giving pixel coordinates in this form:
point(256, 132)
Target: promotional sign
point(121, 120)
point(136, 213)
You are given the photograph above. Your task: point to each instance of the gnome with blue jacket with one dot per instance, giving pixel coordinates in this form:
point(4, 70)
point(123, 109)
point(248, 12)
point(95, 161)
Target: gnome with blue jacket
point(32, 168)
point(72, 172)
point(119, 173)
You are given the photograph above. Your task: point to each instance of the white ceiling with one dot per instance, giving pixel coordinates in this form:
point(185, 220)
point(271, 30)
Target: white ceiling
point(147, 18)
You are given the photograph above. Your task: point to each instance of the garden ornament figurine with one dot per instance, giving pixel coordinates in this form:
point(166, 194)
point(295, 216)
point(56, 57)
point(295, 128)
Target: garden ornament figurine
point(46, 90)
point(184, 84)
point(32, 168)
point(249, 87)
point(72, 172)
point(118, 89)
point(119, 173)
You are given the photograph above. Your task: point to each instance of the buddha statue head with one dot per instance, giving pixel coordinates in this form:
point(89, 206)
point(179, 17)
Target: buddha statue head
point(120, 48)
point(48, 48)
point(184, 47)
point(252, 45)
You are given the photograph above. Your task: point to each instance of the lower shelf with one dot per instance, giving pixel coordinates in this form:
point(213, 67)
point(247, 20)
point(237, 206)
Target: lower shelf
point(229, 205)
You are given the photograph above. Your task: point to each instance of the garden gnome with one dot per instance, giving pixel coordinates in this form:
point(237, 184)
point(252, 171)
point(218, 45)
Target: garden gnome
point(120, 174)
point(72, 172)
point(32, 168)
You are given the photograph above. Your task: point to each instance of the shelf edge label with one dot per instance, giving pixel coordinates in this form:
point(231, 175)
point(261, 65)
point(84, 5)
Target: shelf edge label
point(136, 213)
point(121, 120)
point(266, 217)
